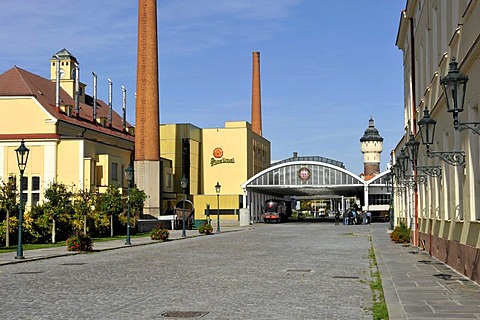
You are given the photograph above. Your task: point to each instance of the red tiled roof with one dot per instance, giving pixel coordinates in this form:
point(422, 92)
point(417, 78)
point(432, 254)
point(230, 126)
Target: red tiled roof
point(19, 82)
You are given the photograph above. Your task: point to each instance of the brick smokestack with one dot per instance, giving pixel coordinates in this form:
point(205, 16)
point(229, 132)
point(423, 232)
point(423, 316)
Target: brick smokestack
point(256, 98)
point(147, 111)
point(147, 119)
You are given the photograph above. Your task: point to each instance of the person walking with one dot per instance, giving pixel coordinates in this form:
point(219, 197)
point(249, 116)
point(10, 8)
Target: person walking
point(337, 217)
point(369, 217)
point(346, 214)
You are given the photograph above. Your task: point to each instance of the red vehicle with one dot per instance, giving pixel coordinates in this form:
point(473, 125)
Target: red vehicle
point(276, 211)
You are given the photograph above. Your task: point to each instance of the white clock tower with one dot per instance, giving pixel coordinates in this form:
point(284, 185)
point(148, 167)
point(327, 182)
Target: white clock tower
point(68, 69)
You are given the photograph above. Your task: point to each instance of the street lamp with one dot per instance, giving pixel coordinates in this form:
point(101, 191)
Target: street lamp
point(454, 86)
point(427, 132)
point(403, 160)
point(217, 189)
point(184, 183)
point(22, 157)
point(412, 151)
point(129, 177)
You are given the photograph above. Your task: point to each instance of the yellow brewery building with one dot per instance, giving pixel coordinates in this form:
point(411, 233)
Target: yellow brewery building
point(79, 140)
point(74, 138)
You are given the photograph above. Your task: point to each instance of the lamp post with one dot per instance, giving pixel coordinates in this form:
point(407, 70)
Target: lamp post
point(129, 177)
point(217, 189)
point(184, 183)
point(22, 157)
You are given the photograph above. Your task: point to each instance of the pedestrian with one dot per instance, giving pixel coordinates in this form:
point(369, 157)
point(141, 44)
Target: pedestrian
point(337, 217)
point(354, 217)
point(346, 215)
point(364, 217)
point(369, 217)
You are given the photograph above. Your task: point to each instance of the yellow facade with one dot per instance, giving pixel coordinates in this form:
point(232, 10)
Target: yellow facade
point(71, 149)
point(229, 156)
point(232, 155)
point(84, 154)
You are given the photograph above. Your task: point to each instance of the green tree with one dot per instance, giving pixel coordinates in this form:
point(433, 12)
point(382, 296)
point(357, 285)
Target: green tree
point(137, 200)
point(112, 204)
point(8, 204)
point(82, 207)
point(58, 205)
point(35, 228)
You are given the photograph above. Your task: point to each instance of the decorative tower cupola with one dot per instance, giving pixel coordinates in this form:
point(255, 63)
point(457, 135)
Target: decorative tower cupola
point(68, 73)
point(372, 147)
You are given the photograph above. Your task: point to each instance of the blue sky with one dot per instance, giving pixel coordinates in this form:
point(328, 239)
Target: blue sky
point(326, 65)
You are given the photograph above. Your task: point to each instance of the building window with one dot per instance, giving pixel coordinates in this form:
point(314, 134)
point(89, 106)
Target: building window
point(35, 183)
point(35, 190)
point(114, 174)
point(24, 195)
point(35, 198)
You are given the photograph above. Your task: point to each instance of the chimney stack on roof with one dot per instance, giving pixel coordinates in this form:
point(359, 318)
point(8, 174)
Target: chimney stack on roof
point(110, 104)
point(94, 97)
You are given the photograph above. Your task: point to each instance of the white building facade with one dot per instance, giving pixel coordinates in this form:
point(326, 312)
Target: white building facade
point(437, 193)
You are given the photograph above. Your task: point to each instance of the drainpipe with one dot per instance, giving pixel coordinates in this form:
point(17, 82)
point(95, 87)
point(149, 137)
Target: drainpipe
point(414, 128)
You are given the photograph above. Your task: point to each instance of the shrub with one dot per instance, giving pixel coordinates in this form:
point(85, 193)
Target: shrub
point(79, 242)
point(159, 233)
point(205, 228)
point(401, 233)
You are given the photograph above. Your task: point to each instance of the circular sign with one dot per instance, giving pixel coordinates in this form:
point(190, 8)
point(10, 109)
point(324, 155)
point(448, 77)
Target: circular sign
point(304, 173)
point(217, 152)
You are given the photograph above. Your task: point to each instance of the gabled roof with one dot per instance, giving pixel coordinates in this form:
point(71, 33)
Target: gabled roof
point(19, 82)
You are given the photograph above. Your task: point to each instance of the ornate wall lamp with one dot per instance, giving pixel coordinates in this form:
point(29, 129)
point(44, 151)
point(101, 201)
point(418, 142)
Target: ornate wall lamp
point(427, 132)
point(403, 159)
point(412, 151)
point(389, 182)
point(455, 85)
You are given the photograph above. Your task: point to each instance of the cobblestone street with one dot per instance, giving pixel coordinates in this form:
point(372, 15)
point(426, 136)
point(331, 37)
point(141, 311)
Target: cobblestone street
point(278, 271)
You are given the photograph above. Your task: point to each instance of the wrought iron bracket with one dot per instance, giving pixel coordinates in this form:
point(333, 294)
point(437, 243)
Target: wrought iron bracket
point(454, 158)
point(474, 126)
point(432, 171)
point(411, 182)
point(398, 190)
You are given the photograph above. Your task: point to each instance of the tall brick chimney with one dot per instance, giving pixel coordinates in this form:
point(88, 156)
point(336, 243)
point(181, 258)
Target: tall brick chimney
point(147, 121)
point(256, 98)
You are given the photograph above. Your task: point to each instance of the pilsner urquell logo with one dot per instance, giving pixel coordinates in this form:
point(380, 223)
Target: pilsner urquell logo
point(218, 154)
point(304, 173)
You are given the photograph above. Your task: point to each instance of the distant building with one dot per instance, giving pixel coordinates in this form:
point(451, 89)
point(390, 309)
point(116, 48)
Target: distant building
point(372, 147)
